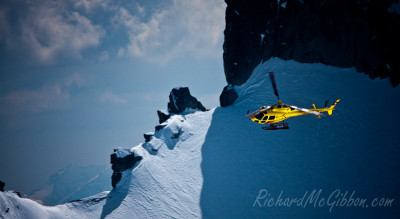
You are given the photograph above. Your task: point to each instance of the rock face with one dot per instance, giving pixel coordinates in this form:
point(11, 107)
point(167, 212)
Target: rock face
point(363, 34)
point(180, 99)
point(121, 160)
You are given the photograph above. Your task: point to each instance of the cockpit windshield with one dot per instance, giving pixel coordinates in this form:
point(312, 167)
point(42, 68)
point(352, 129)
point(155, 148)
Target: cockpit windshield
point(259, 115)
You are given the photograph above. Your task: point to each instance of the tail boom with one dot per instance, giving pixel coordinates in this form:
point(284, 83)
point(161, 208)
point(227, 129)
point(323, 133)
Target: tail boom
point(329, 110)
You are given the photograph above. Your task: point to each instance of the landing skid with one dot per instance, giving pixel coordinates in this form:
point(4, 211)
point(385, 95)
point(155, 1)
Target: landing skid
point(277, 126)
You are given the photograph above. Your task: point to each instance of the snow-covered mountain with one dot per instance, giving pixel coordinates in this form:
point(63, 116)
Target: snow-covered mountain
point(218, 164)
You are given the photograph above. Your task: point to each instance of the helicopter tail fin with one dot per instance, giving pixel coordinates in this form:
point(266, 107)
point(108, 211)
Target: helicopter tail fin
point(331, 108)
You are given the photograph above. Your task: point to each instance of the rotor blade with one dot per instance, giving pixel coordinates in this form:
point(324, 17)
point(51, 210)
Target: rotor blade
point(273, 82)
point(307, 111)
point(265, 108)
point(262, 109)
point(326, 103)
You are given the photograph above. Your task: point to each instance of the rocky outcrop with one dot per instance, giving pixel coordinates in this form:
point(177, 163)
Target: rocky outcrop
point(162, 116)
point(160, 126)
point(363, 34)
point(228, 96)
point(2, 184)
point(180, 99)
point(147, 136)
point(121, 160)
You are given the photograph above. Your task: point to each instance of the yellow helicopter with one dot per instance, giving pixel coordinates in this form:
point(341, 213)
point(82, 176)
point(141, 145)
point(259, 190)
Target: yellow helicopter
point(272, 115)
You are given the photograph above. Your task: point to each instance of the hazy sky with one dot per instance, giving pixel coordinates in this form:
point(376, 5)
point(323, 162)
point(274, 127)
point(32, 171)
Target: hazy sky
point(78, 78)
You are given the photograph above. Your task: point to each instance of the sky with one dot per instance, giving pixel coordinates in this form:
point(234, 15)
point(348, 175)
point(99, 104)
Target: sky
point(79, 78)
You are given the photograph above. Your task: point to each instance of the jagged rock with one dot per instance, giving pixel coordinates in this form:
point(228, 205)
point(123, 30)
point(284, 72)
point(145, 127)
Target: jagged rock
point(180, 100)
point(162, 116)
point(121, 160)
point(2, 184)
point(148, 136)
point(364, 35)
point(228, 96)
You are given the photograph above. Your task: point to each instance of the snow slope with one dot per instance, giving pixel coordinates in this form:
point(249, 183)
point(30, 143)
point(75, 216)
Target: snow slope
point(356, 149)
point(214, 164)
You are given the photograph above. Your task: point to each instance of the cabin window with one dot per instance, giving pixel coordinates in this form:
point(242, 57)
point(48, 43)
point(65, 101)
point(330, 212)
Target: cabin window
point(279, 106)
point(271, 117)
point(259, 116)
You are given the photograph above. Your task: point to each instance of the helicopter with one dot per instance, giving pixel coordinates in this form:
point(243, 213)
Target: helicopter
point(274, 115)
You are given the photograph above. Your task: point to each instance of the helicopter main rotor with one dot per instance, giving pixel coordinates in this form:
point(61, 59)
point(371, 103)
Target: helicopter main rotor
point(273, 82)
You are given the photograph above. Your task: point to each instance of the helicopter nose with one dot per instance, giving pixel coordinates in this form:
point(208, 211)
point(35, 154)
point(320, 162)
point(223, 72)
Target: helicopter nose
point(248, 116)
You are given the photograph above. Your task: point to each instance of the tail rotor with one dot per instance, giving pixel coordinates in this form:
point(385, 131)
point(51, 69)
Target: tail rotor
point(332, 107)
